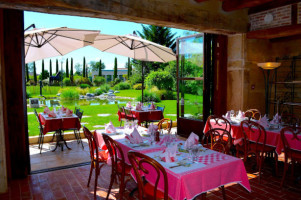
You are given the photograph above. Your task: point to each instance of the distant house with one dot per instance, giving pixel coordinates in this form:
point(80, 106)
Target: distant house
point(109, 73)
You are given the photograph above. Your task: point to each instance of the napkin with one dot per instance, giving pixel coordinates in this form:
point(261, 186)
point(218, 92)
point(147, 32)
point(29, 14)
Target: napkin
point(152, 107)
point(51, 114)
point(46, 110)
point(69, 112)
point(134, 137)
point(264, 121)
point(138, 106)
point(152, 128)
point(240, 115)
point(169, 154)
point(63, 109)
point(109, 128)
point(192, 140)
point(128, 105)
point(167, 139)
point(228, 115)
point(276, 119)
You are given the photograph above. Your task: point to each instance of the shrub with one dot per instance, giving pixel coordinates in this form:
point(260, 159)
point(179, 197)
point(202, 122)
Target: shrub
point(135, 78)
point(69, 93)
point(67, 81)
point(99, 80)
point(137, 86)
point(83, 86)
point(82, 80)
point(31, 82)
point(160, 79)
point(122, 86)
point(116, 81)
point(98, 91)
point(28, 95)
point(149, 96)
point(82, 91)
point(105, 87)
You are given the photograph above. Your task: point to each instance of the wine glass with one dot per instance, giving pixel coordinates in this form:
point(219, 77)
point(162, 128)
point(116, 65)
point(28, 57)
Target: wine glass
point(195, 152)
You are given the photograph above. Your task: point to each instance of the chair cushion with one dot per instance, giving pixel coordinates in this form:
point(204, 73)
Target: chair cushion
point(149, 191)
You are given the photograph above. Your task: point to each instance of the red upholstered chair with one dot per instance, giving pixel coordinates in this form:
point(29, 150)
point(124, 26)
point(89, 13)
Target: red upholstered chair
point(146, 190)
point(120, 169)
point(98, 158)
point(290, 154)
point(129, 115)
point(121, 114)
point(254, 144)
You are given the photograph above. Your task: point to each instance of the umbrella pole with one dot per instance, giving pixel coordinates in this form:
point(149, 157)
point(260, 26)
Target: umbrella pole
point(142, 79)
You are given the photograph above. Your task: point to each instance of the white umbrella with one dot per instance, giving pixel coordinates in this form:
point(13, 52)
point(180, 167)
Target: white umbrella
point(51, 42)
point(134, 47)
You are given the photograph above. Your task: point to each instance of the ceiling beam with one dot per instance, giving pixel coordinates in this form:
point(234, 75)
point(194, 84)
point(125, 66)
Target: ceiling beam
point(231, 5)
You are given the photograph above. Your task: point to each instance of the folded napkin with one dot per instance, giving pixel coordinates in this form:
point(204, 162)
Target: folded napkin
point(63, 109)
point(69, 112)
point(51, 114)
point(240, 115)
point(264, 121)
point(134, 137)
point(152, 128)
point(46, 110)
point(110, 128)
point(193, 139)
point(169, 154)
point(152, 107)
point(167, 139)
point(139, 106)
point(276, 119)
point(128, 105)
point(228, 115)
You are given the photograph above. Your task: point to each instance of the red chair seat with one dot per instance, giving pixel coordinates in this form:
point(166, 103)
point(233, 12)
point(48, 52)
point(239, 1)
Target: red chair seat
point(127, 168)
point(122, 115)
point(102, 156)
point(149, 191)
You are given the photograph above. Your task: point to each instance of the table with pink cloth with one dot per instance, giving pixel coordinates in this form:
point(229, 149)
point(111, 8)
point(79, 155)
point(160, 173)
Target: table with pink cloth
point(273, 137)
point(145, 115)
point(213, 170)
point(59, 122)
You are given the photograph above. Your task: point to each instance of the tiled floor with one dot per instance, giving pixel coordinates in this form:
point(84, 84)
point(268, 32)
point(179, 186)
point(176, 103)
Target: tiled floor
point(48, 159)
point(72, 184)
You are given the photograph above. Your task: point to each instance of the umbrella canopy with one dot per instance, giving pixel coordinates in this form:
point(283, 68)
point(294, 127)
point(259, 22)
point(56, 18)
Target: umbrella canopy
point(51, 42)
point(134, 47)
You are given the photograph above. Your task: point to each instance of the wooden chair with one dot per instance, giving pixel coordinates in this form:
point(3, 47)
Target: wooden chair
point(41, 134)
point(253, 114)
point(218, 139)
point(121, 113)
point(120, 168)
point(98, 158)
point(293, 155)
point(146, 190)
point(290, 119)
point(256, 145)
point(165, 124)
point(219, 122)
point(129, 115)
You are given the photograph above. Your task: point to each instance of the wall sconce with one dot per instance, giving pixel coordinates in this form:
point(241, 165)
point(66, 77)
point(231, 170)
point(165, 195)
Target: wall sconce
point(266, 68)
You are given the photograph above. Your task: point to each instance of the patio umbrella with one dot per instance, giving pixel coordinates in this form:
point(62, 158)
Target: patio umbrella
point(134, 47)
point(50, 42)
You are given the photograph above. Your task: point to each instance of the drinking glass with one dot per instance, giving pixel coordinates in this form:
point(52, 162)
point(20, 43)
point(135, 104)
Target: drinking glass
point(232, 113)
point(195, 152)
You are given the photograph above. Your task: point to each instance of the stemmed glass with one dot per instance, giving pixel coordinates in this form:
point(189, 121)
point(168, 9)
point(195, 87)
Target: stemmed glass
point(194, 153)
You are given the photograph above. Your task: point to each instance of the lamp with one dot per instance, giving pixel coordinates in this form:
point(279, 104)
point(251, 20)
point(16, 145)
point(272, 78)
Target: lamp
point(267, 67)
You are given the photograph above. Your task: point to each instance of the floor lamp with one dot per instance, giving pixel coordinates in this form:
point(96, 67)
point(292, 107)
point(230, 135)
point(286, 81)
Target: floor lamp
point(267, 67)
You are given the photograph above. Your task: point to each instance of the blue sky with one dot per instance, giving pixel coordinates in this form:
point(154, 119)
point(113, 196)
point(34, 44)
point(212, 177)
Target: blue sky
point(105, 26)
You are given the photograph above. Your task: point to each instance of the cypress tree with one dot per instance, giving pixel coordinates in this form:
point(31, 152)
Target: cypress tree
point(115, 69)
point(50, 68)
point(84, 67)
point(43, 71)
point(57, 66)
point(86, 72)
point(27, 73)
point(67, 69)
point(34, 73)
point(99, 70)
point(129, 68)
point(71, 70)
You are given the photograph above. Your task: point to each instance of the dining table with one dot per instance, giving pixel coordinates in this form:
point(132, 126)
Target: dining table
point(59, 124)
point(145, 114)
point(211, 170)
point(273, 137)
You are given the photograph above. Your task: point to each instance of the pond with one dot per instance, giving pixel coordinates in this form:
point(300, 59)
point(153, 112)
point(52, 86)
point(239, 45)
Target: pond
point(82, 102)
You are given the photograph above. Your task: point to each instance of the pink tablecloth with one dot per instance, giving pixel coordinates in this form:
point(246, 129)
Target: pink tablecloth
point(214, 170)
point(59, 123)
point(272, 139)
point(148, 115)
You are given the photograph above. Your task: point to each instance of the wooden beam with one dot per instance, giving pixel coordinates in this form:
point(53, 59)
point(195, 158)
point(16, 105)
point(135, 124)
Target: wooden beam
point(207, 16)
point(271, 5)
point(277, 32)
point(231, 5)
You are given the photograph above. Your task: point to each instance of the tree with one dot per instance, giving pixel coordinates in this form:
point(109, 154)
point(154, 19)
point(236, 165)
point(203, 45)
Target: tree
point(27, 73)
point(129, 68)
point(115, 69)
point(84, 67)
point(57, 66)
point(42, 76)
point(78, 69)
point(35, 73)
point(71, 70)
point(50, 68)
point(99, 68)
point(67, 69)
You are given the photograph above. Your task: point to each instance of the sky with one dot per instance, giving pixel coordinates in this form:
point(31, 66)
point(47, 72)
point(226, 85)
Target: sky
point(42, 20)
